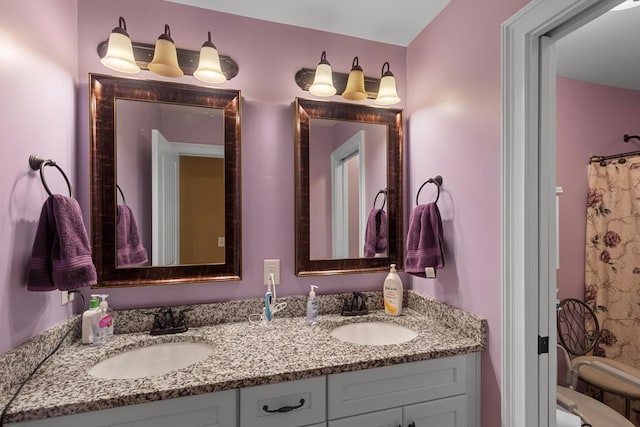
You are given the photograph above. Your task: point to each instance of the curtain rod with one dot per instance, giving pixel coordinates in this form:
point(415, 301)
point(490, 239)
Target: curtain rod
point(614, 156)
point(626, 138)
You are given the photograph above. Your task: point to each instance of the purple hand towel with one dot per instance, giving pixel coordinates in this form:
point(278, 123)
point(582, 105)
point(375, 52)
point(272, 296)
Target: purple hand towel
point(130, 250)
point(424, 240)
point(375, 235)
point(61, 254)
point(39, 275)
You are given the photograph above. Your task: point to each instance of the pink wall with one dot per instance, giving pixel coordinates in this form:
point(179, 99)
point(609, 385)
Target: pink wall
point(454, 106)
point(38, 67)
point(267, 63)
point(591, 120)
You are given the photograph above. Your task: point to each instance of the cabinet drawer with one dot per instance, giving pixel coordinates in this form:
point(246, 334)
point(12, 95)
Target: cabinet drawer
point(212, 409)
point(303, 403)
point(387, 418)
point(369, 390)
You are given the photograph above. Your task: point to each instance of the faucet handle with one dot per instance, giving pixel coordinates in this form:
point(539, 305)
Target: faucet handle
point(182, 319)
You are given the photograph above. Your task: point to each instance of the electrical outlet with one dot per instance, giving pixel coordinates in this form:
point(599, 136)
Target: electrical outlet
point(271, 266)
point(64, 297)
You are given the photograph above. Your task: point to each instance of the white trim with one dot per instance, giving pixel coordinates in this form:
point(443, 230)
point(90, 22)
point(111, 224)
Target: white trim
point(521, 207)
point(354, 146)
point(547, 231)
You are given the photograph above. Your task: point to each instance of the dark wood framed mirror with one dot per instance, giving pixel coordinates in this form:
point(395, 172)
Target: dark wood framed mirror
point(348, 162)
point(176, 203)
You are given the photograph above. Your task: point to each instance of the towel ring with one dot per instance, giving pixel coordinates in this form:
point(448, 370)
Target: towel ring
point(437, 180)
point(38, 163)
point(124, 201)
point(384, 200)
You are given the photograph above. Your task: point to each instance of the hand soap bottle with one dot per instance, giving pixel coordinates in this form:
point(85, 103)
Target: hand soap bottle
point(87, 320)
point(102, 321)
point(312, 306)
point(392, 293)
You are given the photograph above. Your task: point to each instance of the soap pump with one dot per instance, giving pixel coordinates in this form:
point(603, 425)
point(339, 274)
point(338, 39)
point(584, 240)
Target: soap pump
point(392, 293)
point(312, 306)
point(102, 322)
point(87, 320)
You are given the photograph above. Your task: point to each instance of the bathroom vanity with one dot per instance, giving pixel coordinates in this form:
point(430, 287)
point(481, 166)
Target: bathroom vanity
point(288, 375)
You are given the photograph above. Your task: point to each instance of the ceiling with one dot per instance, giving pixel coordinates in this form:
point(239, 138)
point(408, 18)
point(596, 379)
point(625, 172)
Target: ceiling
point(378, 20)
point(605, 51)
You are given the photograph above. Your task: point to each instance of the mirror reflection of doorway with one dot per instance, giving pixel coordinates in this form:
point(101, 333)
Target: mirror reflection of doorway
point(347, 193)
point(201, 213)
point(188, 202)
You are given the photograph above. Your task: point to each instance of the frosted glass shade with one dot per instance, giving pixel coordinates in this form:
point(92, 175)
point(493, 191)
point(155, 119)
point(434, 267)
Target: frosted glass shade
point(165, 58)
point(387, 94)
point(119, 55)
point(209, 69)
point(355, 90)
point(323, 78)
point(355, 86)
point(323, 81)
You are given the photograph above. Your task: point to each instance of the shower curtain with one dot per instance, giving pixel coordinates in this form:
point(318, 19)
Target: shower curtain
point(612, 262)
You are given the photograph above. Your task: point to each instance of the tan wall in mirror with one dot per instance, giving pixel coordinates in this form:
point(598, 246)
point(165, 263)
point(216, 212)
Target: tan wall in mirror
point(201, 218)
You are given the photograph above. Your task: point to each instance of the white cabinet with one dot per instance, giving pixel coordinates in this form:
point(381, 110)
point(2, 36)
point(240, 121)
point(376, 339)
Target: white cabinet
point(432, 393)
point(447, 412)
point(387, 418)
point(211, 410)
point(442, 392)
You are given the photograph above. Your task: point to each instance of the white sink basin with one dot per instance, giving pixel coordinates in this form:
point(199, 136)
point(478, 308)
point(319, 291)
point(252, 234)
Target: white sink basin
point(153, 360)
point(373, 333)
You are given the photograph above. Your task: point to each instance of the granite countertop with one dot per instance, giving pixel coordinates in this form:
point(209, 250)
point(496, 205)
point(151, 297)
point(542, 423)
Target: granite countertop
point(244, 354)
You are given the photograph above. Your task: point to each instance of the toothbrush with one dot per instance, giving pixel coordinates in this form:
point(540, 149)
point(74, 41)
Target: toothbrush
point(268, 299)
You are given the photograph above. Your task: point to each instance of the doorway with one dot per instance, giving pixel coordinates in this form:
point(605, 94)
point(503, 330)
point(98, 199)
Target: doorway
point(528, 180)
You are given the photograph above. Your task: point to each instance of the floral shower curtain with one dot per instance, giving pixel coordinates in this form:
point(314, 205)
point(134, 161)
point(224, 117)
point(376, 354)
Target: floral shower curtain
point(612, 262)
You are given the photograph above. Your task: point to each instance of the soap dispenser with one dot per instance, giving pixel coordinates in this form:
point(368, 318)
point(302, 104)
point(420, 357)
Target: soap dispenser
point(87, 320)
point(312, 306)
point(109, 313)
point(102, 321)
point(392, 293)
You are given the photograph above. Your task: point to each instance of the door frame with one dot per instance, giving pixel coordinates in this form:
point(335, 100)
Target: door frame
point(528, 204)
point(340, 195)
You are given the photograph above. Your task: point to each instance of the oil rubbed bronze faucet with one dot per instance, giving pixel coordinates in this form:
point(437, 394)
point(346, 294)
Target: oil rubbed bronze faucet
point(357, 306)
point(165, 323)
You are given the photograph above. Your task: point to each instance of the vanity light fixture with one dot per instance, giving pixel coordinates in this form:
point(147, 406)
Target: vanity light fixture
point(355, 83)
point(353, 86)
point(387, 94)
point(146, 57)
point(209, 70)
point(323, 79)
point(119, 56)
point(165, 56)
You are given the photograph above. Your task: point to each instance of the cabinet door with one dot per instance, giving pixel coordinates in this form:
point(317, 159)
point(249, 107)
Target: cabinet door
point(388, 418)
point(287, 404)
point(211, 410)
point(449, 412)
point(369, 390)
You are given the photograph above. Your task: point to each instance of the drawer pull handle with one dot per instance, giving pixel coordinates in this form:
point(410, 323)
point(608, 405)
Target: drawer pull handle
point(284, 409)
